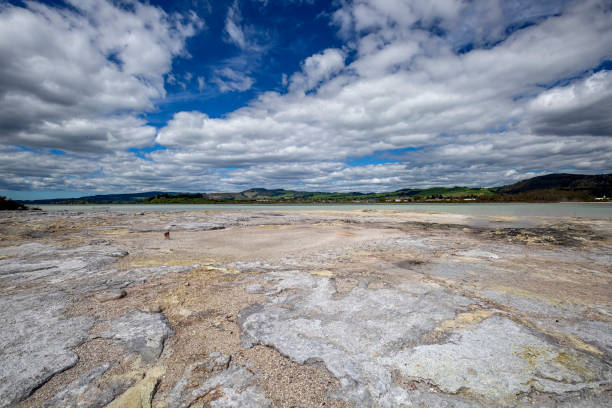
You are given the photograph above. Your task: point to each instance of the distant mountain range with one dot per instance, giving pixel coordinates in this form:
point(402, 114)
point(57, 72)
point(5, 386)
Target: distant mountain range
point(552, 187)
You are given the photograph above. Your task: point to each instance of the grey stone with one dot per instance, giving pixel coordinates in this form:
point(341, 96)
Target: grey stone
point(373, 341)
point(36, 342)
point(142, 333)
point(36, 338)
point(254, 289)
point(498, 360)
point(30, 262)
point(88, 392)
point(349, 334)
point(559, 318)
point(218, 361)
point(236, 383)
point(196, 373)
point(112, 294)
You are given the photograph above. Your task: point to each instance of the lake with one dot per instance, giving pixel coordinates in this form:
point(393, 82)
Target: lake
point(582, 210)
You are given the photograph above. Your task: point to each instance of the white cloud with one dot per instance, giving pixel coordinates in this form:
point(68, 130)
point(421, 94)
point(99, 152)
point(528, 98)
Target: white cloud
point(233, 27)
point(406, 91)
point(583, 107)
point(94, 63)
point(484, 116)
point(245, 36)
point(228, 80)
point(317, 68)
point(201, 84)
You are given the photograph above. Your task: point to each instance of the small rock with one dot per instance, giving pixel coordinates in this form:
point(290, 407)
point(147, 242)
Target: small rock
point(218, 361)
point(110, 295)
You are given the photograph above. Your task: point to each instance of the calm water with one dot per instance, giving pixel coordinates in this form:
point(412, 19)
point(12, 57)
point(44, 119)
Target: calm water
point(583, 210)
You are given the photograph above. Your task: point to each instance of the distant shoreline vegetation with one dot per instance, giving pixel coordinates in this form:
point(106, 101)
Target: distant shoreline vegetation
point(549, 188)
point(7, 204)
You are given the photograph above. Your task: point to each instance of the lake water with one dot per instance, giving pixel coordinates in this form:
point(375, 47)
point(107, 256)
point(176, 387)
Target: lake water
point(582, 210)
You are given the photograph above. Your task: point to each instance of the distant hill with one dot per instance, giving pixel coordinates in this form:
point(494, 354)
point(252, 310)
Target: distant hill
point(552, 187)
point(557, 187)
point(101, 198)
point(593, 185)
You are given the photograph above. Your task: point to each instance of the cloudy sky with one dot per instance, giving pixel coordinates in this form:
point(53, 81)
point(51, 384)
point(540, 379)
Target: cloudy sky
point(100, 96)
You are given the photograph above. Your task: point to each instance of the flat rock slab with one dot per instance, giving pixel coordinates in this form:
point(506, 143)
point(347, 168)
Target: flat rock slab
point(142, 333)
point(88, 391)
point(235, 384)
point(38, 344)
point(348, 334)
point(37, 338)
point(382, 344)
point(498, 360)
point(29, 262)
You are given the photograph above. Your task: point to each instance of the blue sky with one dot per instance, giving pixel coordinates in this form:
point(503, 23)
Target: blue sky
point(370, 95)
point(284, 34)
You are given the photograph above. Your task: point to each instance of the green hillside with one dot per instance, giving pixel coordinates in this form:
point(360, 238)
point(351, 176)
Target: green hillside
point(548, 188)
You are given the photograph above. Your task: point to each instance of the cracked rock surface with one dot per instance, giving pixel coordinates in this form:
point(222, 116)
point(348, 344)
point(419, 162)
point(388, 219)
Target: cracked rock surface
point(88, 392)
point(274, 308)
point(142, 333)
point(36, 342)
point(367, 336)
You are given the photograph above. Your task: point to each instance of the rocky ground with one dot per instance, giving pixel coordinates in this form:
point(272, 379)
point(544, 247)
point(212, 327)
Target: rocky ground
point(303, 309)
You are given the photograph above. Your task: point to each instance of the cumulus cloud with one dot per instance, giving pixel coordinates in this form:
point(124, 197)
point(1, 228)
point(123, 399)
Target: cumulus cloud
point(402, 91)
point(583, 107)
point(317, 68)
point(487, 92)
point(91, 68)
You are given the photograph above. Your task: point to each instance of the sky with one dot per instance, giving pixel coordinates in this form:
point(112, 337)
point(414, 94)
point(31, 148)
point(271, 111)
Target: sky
point(100, 96)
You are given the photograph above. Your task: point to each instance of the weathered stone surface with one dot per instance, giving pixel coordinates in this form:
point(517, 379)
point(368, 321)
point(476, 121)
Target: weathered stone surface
point(560, 318)
point(217, 361)
point(37, 339)
point(29, 262)
point(88, 392)
point(236, 384)
point(348, 334)
point(112, 294)
point(404, 310)
point(254, 289)
point(498, 360)
point(141, 394)
point(195, 374)
point(143, 333)
point(36, 342)
point(375, 340)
